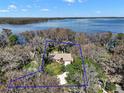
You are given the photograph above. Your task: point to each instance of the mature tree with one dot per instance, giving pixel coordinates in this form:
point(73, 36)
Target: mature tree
point(6, 32)
point(4, 37)
point(120, 36)
point(59, 34)
point(39, 79)
point(75, 72)
point(110, 86)
point(81, 38)
point(28, 35)
point(15, 57)
point(12, 40)
point(100, 38)
point(105, 37)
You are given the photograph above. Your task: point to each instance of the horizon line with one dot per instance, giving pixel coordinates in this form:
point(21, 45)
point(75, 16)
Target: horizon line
point(68, 17)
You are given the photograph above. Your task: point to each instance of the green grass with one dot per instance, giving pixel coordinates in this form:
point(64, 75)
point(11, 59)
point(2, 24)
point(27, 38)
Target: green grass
point(88, 61)
point(54, 68)
point(100, 91)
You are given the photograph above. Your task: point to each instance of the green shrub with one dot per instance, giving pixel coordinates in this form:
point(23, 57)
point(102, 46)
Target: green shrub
point(13, 39)
point(110, 86)
point(76, 66)
point(120, 36)
point(75, 72)
point(100, 91)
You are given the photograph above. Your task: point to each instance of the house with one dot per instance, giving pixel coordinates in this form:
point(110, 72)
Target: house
point(64, 58)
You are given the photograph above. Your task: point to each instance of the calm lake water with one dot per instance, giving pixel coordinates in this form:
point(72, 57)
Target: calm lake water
point(115, 25)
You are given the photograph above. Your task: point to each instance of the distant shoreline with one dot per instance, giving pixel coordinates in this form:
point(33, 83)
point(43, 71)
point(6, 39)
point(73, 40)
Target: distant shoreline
point(63, 17)
point(29, 20)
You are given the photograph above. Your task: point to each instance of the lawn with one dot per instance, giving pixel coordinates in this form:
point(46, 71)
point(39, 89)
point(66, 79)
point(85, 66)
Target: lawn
point(54, 68)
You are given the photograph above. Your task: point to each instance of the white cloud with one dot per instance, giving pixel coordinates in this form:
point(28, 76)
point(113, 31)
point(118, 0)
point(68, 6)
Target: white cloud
point(12, 6)
point(74, 1)
point(24, 10)
point(45, 10)
point(70, 1)
point(3, 10)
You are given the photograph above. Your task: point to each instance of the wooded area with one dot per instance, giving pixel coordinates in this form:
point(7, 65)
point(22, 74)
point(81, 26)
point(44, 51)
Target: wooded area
point(103, 53)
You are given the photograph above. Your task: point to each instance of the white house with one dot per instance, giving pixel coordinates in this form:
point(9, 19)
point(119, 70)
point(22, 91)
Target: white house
point(64, 58)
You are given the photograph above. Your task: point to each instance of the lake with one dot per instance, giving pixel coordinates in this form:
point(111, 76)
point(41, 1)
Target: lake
point(115, 25)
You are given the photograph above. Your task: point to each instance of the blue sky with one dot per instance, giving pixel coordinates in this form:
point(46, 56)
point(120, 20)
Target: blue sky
point(61, 8)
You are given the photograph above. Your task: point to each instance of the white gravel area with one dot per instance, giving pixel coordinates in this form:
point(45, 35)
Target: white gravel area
point(62, 78)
